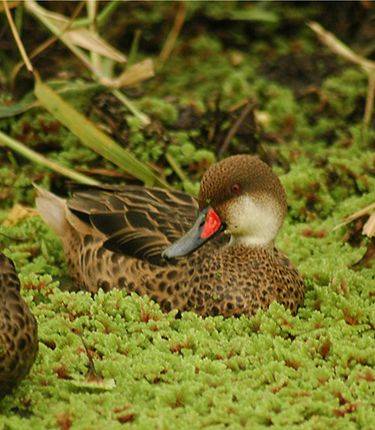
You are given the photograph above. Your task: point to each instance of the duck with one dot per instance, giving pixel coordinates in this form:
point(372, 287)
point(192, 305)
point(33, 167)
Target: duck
point(214, 255)
point(18, 330)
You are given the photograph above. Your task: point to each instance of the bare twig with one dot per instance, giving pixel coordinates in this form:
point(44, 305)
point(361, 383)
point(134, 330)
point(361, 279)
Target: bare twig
point(339, 48)
point(17, 38)
point(233, 130)
point(35, 52)
point(173, 34)
point(369, 227)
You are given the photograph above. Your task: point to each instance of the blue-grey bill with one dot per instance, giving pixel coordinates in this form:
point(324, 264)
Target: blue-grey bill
point(191, 241)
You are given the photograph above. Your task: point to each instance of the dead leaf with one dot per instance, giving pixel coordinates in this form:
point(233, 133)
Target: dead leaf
point(132, 76)
point(81, 37)
point(369, 227)
point(91, 41)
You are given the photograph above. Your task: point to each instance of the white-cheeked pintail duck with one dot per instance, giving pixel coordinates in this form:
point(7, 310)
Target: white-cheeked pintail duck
point(18, 330)
point(140, 239)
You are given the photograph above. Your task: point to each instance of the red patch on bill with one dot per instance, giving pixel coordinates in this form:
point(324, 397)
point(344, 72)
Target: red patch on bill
point(211, 225)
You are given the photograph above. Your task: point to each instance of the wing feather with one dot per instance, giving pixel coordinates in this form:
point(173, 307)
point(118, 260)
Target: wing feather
point(137, 221)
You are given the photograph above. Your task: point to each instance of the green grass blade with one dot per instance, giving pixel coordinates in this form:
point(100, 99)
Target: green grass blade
point(40, 159)
point(94, 138)
point(61, 87)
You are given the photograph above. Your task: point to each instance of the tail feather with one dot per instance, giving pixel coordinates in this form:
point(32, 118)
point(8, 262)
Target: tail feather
point(52, 209)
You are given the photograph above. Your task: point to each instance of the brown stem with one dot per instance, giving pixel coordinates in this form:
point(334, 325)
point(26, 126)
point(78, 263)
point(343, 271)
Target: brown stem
point(17, 38)
point(233, 130)
point(369, 100)
point(46, 44)
point(173, 34)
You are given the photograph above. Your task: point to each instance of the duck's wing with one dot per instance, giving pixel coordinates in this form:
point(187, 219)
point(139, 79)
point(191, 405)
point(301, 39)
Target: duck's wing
point(135, 220)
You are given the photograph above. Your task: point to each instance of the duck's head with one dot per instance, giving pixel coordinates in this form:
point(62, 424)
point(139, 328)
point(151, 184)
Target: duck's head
point(241, 196)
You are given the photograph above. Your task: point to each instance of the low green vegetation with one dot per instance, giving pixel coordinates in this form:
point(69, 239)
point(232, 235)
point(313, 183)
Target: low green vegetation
point(115, 361)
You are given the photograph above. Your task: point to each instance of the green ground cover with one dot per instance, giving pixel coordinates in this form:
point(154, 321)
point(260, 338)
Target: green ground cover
point(115, 361)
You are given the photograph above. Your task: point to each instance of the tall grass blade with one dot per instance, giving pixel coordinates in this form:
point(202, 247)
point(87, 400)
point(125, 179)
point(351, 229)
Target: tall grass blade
point(94, 138)
point(28, 153)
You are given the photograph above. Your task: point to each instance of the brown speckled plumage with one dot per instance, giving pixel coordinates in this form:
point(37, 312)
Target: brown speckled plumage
point(18, 330)
point(114, 237)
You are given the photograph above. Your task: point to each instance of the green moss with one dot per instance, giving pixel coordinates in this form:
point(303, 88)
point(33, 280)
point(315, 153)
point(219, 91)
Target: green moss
point(159, 109)
point(314, 370)
point(343, 91)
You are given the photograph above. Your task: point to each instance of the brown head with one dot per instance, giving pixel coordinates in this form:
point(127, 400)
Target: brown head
point(242, 196)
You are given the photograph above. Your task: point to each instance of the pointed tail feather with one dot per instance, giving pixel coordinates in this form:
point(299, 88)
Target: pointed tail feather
point(52, 209)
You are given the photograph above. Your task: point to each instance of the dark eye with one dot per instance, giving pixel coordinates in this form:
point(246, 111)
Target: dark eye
point(236, 188)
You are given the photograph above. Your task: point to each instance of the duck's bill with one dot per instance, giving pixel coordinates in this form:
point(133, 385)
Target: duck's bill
point(206, 227)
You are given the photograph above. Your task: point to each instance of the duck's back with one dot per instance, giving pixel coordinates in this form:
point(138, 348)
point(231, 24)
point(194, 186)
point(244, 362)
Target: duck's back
point(18, 330)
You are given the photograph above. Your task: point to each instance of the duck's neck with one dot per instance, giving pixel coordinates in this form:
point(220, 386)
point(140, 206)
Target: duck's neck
point(253, 223)
point(251, 242)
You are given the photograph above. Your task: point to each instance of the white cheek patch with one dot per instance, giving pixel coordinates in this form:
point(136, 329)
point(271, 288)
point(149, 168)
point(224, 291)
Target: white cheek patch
point(253, 223)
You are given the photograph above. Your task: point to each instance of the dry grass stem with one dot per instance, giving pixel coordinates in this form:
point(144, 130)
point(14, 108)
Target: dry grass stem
point(173, 34)
point(76, 38)
point(369, 100)
point(339, 48)
point(46, 44)
point(17, 38)
point(45, 18)
point(9, 5)
point(233, 130)
point(369, 227)
point(54, 23)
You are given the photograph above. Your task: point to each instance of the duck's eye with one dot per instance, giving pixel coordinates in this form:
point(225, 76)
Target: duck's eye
point(236, 188)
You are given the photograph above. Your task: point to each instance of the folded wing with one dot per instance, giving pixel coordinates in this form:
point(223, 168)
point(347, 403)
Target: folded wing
point(137, 221)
